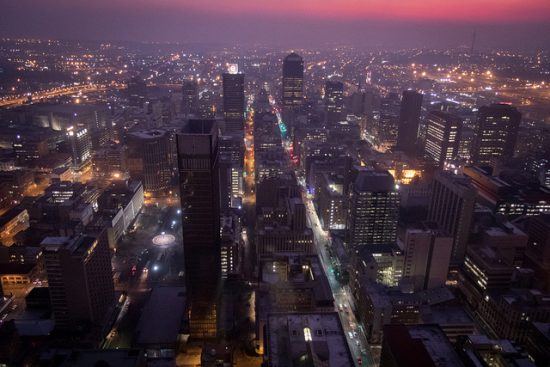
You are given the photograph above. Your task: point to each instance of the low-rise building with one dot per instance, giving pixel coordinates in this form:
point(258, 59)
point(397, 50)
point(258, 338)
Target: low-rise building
point(309, 338)
point(162, 324)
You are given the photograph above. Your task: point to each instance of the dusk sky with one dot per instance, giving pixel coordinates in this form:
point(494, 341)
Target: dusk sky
point(393, 23)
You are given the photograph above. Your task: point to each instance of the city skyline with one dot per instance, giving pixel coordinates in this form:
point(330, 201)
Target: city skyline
point(290, 183)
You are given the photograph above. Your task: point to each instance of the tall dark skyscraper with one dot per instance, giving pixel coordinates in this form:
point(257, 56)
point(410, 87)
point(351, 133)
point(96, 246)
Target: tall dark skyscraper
point(334, 102)
point(442, 137)
point(496, 133)
point(293, 81)
point(197, 147)
point(150, 159)
point(233, 99)
point(190, 97)
point(409, 118)
point(137, 92)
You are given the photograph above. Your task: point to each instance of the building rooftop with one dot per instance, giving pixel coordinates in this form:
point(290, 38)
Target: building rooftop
point(148, 134)
point(162, 317)
point(202, 127)
point(105, 357)
point(374, 181)
point(296, 339)
point(427, 345)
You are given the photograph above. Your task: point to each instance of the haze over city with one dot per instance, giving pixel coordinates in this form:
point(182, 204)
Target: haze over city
point(377, 23)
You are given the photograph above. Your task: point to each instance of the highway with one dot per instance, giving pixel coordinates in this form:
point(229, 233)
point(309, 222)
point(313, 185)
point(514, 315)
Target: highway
point(54, 93)
point(342, 297)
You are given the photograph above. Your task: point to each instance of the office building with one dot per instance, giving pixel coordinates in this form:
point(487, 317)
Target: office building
point(190, 97)
point(451, 208)
point(197, 147)
point(80, 279)
point(484, 271)
point(374, 209)
point(538, 249)
point(149, 159)
point(137, 92)
point(496, 132)
point(161, 327)
point(443, 132)
point(293, 81)
point(313, 339)
point(334, 102)
point(381, 264)
point(427, 256)
point(386, 121)
point(409, 119)
point(478, 350)
point(80, 144)
point(417, 345)
point(110, 162)
point(233, 99)
point(119, 205)
point(509, 312)
point(231, 153)
point(207, 105)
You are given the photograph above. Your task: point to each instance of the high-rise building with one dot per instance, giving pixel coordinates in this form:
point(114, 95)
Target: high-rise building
point(451, 207)
point(207, 105)
point(137, 92)
point(496, 133)
point(427, 256)
point(442, 137)
point(197, 147)
point(409, 119)
point(233, 99)
point(374, 209)
point(388, 121)
point(80, 279)
point(293, 81)
point(81, 146)
point(334, 102)
point(190, 97)
point(149, 159)
point(231, 152)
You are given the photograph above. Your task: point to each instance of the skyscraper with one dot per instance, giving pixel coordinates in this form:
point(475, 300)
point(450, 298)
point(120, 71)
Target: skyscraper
point(231, 153)
point(233, 99)
point(388, 123)
point(409, 118)
point(334, 102)
point(293, 81)
point(374, 209)
point(150, 160)
point(137, 92)
point(442, 137)
point(81, 146)
point(451, 207)
point(190, 97)
point(495, 134)
point(197, 147)
point(80, 279)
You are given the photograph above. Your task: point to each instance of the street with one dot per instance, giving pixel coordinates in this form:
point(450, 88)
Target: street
point(342, 297)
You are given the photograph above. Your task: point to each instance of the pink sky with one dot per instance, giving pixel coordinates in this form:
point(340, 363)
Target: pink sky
point(403, 23)
point(457, 10)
